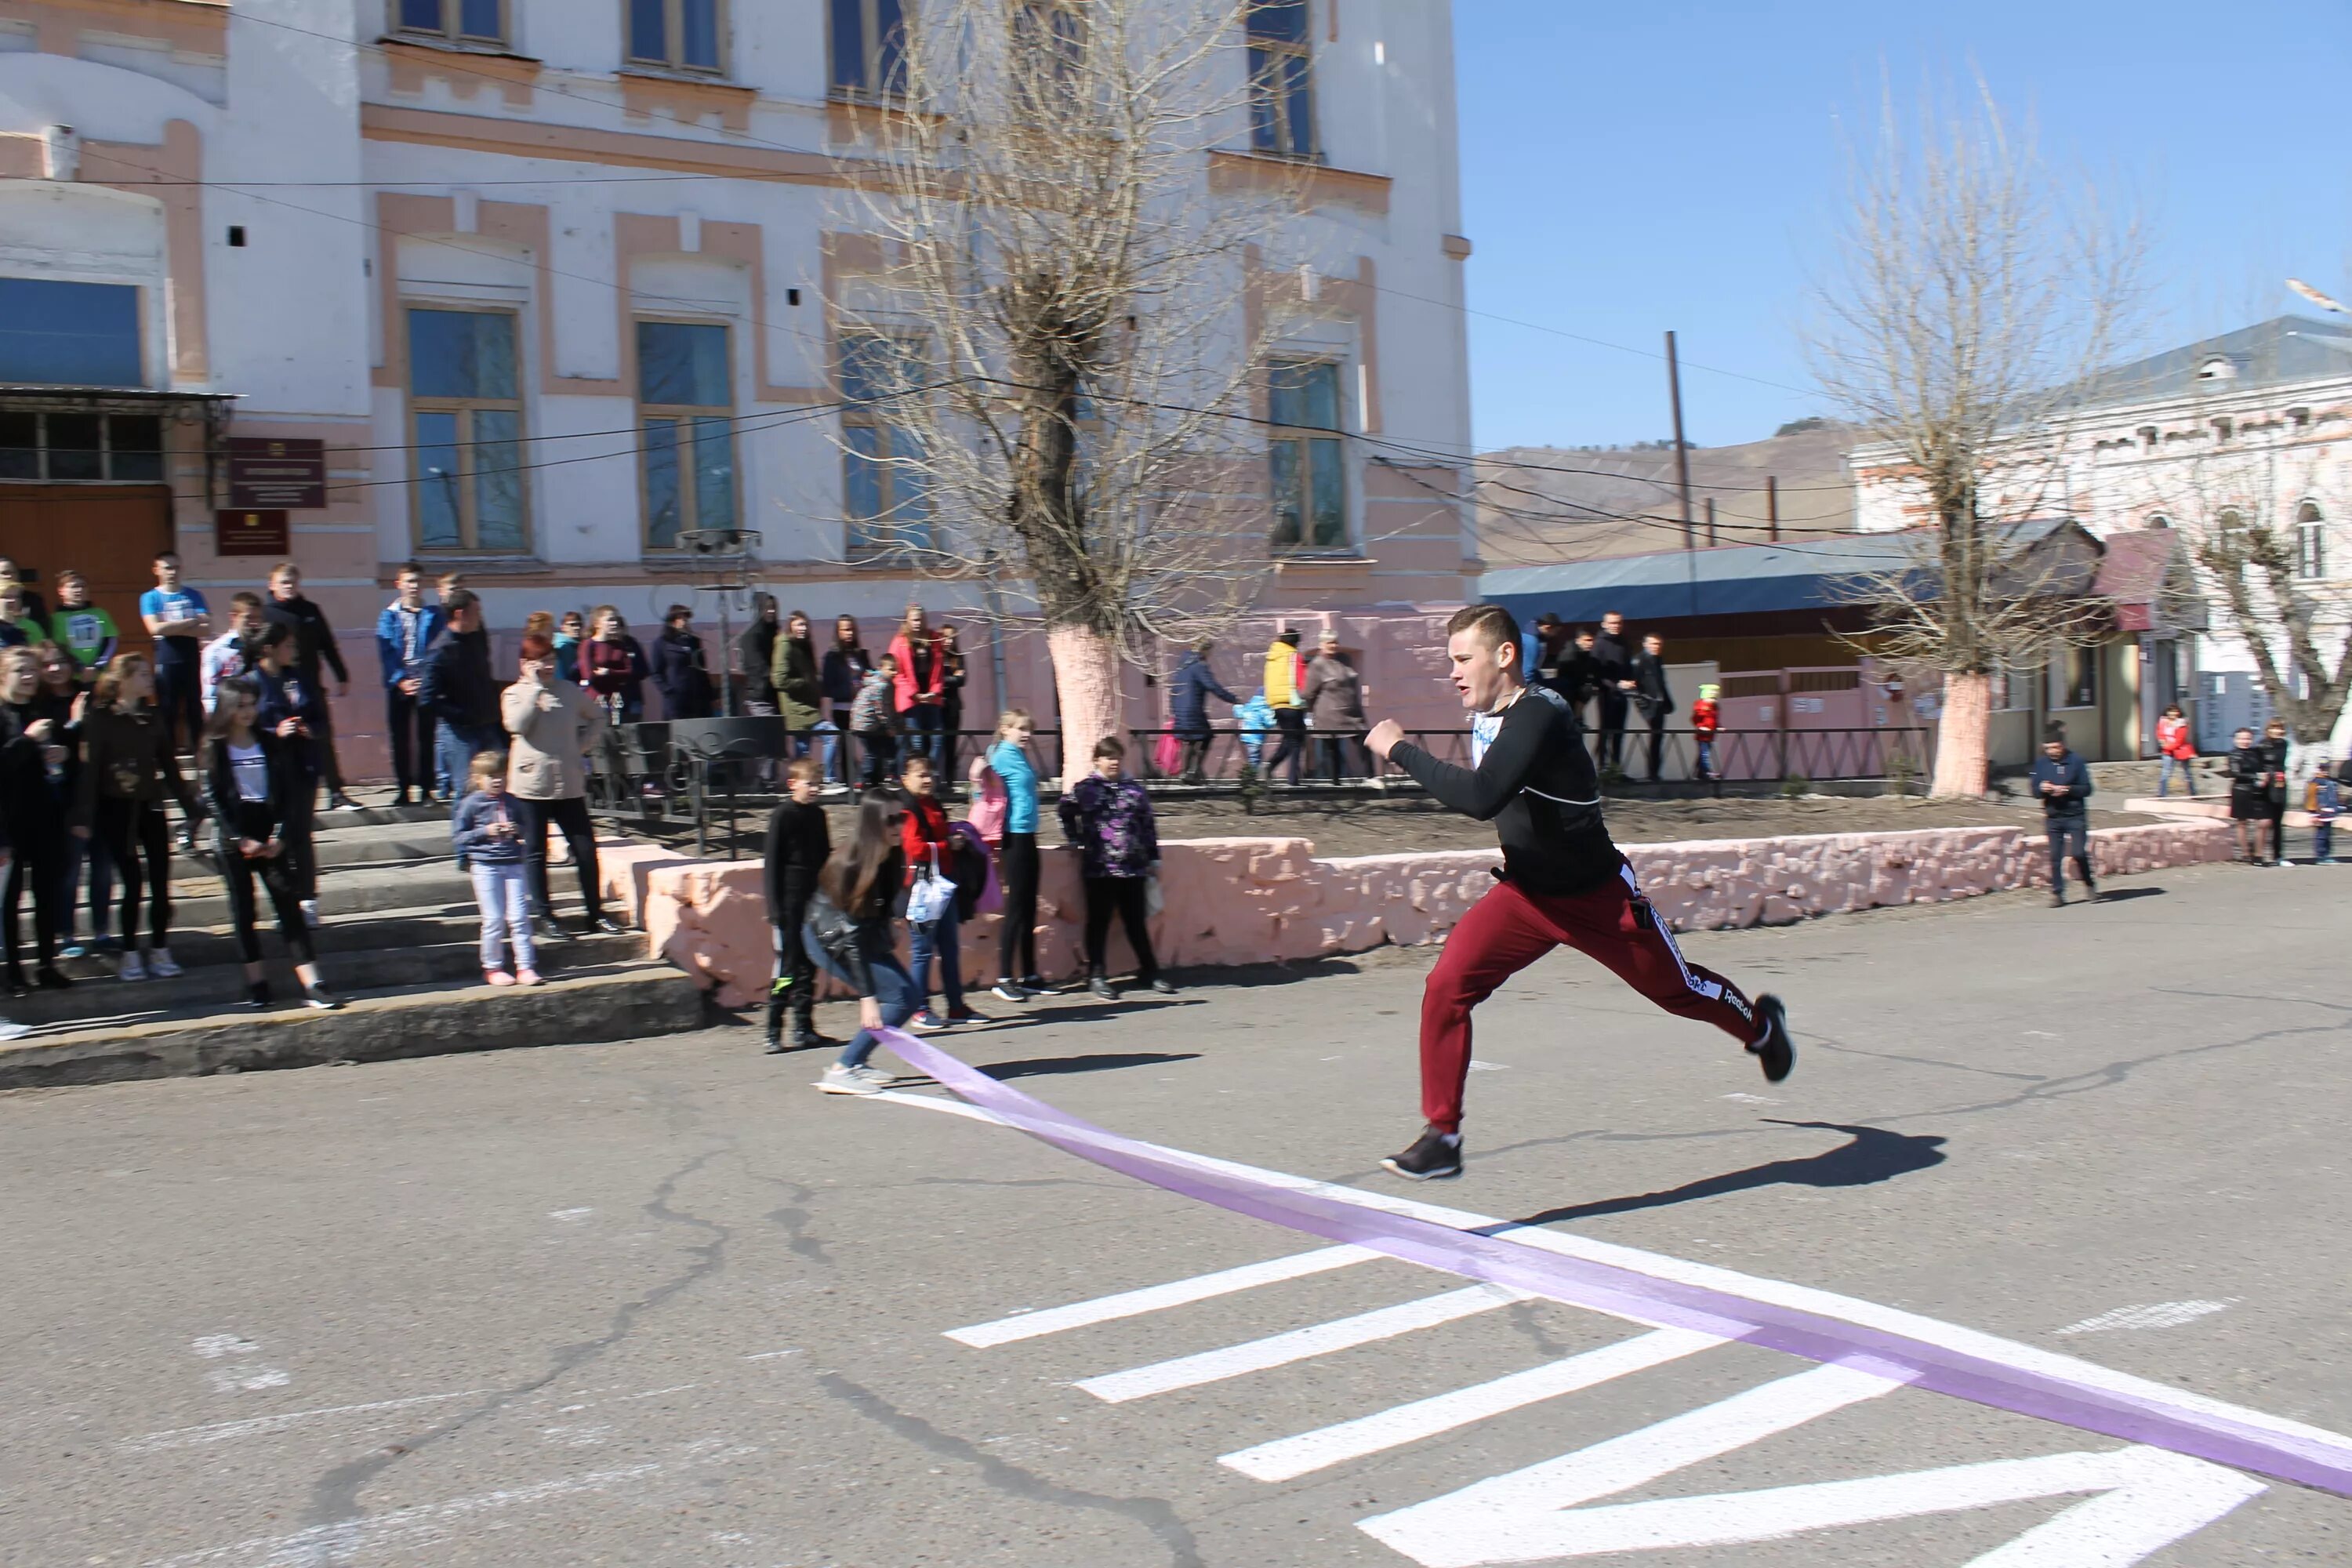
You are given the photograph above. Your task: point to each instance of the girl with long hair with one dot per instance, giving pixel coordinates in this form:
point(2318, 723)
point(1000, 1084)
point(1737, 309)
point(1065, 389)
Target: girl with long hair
point(930, 849)
point(922, 683)
point(255, 784)
point(847, 935)
point(845, 666)
point(613, 665)
point(128, 768)
point(1017, 863)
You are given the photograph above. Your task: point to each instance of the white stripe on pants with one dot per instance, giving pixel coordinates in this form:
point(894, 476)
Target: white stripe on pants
point(504, 894)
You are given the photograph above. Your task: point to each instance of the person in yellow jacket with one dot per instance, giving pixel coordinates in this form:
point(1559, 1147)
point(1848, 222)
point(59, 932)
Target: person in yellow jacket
point(1281, 695)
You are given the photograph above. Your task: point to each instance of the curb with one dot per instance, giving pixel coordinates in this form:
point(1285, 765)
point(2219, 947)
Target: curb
point(646, 1000)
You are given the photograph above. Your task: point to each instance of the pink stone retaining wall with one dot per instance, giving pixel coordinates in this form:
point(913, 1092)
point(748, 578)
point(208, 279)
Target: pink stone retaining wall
point(1252, 901)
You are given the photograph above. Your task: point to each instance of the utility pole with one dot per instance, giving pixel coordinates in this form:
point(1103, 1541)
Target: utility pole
point(1772, 504)
point(1681, 452)
point(1710, 522)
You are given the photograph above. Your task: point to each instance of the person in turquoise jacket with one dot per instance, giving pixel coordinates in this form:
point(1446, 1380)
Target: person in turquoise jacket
point(1017, 857)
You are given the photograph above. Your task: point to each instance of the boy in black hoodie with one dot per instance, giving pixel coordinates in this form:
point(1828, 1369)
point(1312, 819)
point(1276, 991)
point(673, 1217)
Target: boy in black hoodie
point(2065, 785)
point(797, 847)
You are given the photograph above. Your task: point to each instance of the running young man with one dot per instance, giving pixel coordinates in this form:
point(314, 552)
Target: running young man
point(1563, 883)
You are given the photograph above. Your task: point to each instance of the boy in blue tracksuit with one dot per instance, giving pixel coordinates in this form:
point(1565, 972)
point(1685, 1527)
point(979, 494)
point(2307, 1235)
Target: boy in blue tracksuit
point(404, 636)
point(2063, 784)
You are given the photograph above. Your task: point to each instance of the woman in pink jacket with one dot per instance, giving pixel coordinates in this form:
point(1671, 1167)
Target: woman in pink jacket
point(922, 684)
point(2173, 744)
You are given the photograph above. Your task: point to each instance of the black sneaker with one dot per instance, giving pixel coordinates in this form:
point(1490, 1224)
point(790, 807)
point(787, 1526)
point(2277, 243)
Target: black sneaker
point(1774, 1047)
point(1103, 989)
point(321, 998)
point(256, 996)
point(1164, 987)
point(543, 928)
point(608, 925)
point(1433, 1156)
point(775, 1046)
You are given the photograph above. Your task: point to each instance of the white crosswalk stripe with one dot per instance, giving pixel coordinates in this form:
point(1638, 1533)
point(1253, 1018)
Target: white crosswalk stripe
point(1298, 1344)
point(2145, 1498)
point(1291, 1457)
point(1158, 1298)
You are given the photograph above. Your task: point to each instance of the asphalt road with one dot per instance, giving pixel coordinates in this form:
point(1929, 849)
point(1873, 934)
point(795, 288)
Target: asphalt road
point(660, 1303)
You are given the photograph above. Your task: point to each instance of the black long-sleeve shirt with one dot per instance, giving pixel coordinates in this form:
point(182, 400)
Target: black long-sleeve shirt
point(314, 640)
point(797, 846)
point(1535, 782)
point(1607, 664)
point(1651, 693)
point(2069, 773)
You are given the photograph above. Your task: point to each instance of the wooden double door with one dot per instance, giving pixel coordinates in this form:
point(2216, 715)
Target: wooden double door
point(109, 533)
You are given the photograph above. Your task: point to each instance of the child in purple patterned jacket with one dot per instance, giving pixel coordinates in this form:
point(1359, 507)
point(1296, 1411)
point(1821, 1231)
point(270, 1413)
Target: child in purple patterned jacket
point(1108, 816)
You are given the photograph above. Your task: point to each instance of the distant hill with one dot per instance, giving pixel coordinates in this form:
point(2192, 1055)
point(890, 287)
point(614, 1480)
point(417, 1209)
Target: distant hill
point(1542, 505)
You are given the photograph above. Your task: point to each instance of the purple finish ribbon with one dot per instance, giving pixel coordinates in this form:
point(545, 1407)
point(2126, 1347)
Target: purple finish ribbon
point(1962, 1362)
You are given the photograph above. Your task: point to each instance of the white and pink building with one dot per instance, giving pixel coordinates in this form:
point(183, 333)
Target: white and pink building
point(550, 280)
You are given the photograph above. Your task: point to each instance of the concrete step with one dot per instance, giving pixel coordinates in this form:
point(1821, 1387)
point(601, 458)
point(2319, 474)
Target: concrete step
point(413, 926)
point(616, 1004)
point(356, 960)
point(351, 891)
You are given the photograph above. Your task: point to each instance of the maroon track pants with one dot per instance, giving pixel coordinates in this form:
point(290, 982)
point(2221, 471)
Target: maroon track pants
point(1510, 928)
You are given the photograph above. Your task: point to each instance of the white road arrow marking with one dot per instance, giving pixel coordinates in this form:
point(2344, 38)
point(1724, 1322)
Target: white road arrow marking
point(2149, 1498)
point(1517, 1517)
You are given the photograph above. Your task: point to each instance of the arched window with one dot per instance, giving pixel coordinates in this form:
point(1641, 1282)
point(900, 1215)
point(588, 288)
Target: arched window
point(2156, 520)
point(2310, 541)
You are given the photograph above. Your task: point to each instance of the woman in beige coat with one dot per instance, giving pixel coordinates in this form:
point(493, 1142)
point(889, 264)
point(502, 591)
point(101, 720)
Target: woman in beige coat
point(554, 723)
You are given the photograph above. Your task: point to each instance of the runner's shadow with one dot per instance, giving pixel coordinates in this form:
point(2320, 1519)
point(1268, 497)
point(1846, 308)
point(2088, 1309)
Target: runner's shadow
point(2119, 895)
point(1045, 1067)
point(1874, 1155)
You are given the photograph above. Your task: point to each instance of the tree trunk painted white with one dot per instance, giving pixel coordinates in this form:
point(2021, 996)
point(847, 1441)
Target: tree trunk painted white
point(1964, 735)
point(1085, 676)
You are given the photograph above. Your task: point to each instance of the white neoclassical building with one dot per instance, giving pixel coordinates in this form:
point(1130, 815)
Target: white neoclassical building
point(2252, 428)
point(551, 280)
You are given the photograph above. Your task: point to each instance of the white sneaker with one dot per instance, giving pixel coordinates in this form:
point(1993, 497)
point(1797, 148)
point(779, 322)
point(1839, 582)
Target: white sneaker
point(310, 912)
point(132, 967)
point(860, 1079)
point(160, 964)
point(9, 1031)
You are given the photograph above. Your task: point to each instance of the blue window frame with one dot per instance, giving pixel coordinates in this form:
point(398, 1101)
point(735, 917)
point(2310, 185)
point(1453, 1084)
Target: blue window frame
point(69, 334)
point(686, 406)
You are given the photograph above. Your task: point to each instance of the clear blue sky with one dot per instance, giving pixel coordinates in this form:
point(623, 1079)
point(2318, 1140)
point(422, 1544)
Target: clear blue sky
point(1628, 168)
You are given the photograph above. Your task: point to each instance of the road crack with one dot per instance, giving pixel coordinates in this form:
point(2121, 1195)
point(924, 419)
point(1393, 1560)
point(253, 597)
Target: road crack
point(1155, 1514)
point(335, 1495)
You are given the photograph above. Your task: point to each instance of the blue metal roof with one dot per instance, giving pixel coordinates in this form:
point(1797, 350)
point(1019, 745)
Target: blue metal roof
point(1732, 580)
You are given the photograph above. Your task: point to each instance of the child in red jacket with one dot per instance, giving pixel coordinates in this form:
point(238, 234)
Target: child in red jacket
point(1704, 717)
point(2173, 744)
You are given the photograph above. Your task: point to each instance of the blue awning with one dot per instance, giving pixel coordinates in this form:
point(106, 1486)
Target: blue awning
point(1731, 580)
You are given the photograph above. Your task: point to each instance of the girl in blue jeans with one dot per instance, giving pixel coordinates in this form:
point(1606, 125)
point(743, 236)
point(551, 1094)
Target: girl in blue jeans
point(930, 849)
point(847, 935)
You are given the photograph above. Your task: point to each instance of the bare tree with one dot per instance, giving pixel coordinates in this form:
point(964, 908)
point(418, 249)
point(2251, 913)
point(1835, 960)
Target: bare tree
point(1061, 329)
point(1974, 292)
